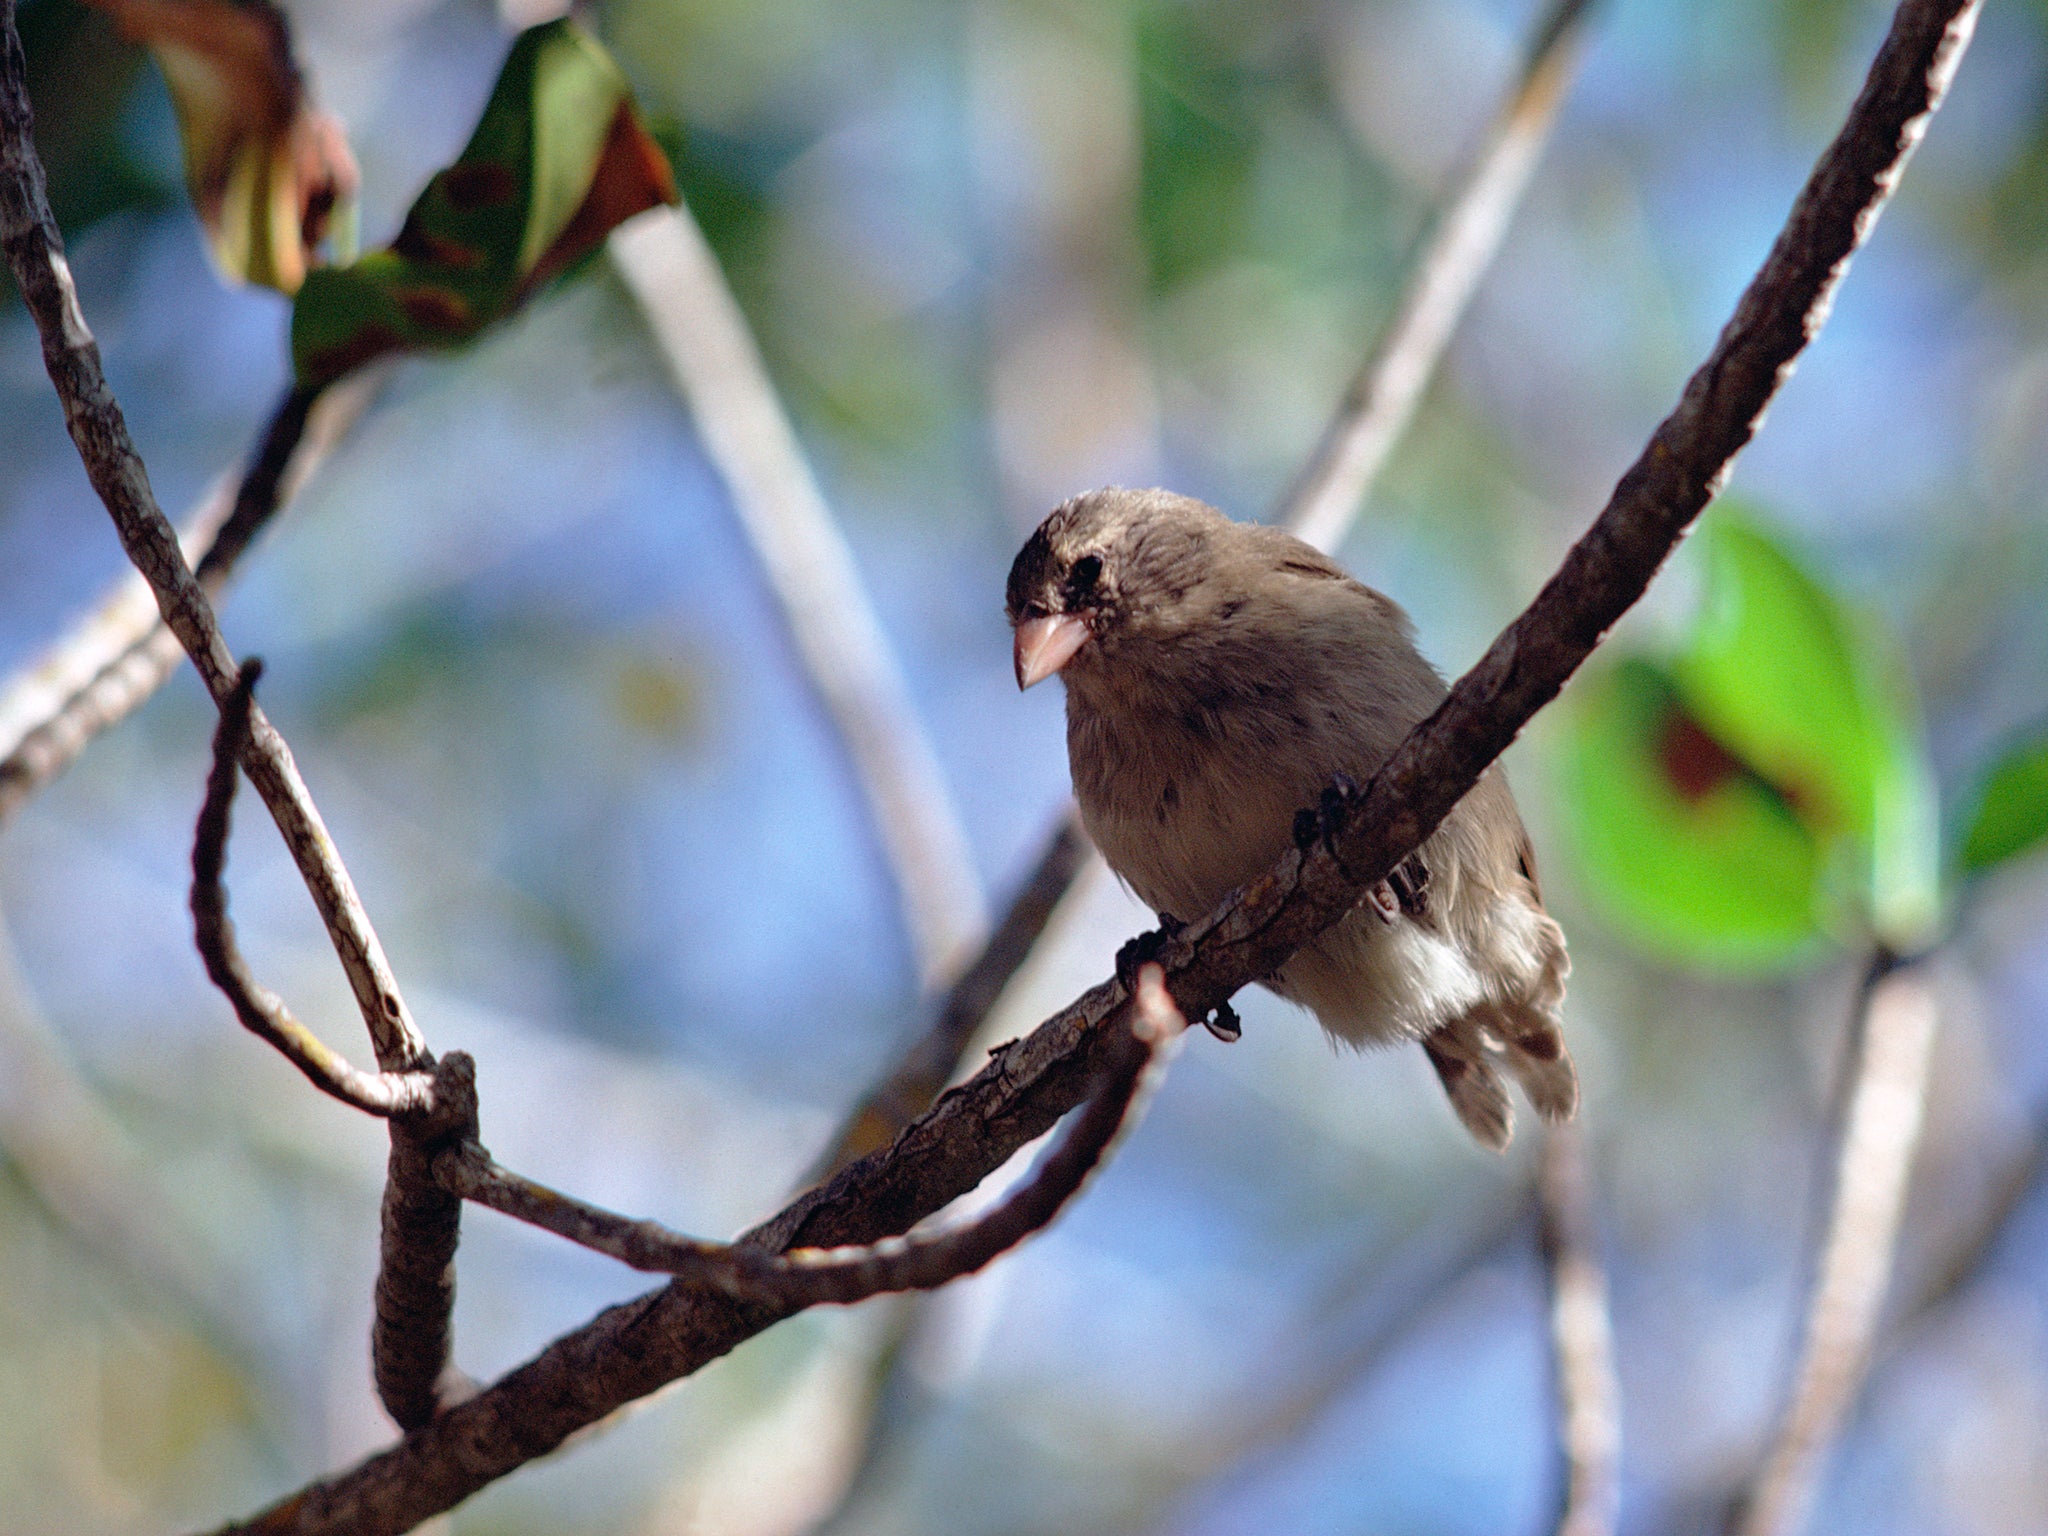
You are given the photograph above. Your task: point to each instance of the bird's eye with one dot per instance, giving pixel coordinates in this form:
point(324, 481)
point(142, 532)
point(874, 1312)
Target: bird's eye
point(1087, 571)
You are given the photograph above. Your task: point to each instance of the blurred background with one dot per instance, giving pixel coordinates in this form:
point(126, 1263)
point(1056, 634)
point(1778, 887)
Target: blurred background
point(996, 253)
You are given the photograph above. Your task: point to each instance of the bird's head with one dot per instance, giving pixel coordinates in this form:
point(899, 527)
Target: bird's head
point(1102, 569)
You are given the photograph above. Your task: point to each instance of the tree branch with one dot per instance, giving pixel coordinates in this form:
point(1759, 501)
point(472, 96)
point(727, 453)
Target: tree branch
point(703, 338)
point(633, 1349)
point(262, 1011)
point(35, 253)
point(805, 1277)
point(1891, 1049)
point(414, 1294)
point(921, 1074)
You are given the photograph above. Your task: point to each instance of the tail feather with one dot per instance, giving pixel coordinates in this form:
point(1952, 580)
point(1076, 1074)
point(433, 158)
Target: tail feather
point(1474, 1086)
point(1469, 1051)
point(1535, 1051)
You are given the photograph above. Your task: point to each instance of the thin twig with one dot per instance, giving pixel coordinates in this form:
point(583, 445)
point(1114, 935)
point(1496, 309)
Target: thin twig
point(262, 1011)
point(1581, 1339)
point(803, 1277)
point(1381, 400)
point(1892, 1047)
point(703, 338)
point(632, 1350)
point(111, 661)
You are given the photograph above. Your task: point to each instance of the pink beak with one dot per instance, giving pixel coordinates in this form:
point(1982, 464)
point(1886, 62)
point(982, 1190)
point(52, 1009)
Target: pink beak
point(1046, 644)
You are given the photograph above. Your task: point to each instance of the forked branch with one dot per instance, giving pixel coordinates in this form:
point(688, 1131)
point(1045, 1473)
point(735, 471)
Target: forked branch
point(262, 1011)
point(805, 1277)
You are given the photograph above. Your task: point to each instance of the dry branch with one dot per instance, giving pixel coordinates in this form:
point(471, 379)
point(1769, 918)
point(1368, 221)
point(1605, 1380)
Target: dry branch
point(35, 253)
point(804, 1277)
point(410, 1286)
point(632, 1349)
point(922, 1072)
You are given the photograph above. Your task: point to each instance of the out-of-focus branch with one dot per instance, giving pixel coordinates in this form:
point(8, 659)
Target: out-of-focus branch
point(1381, 400)
point(633, 1349)
point(1581, 1339)
point(262, 1011)
point(1375, 411)
point(1891, 1048)
point(1966, 1260)
point(63, 1140)
point(703, 338)
point(112, 660)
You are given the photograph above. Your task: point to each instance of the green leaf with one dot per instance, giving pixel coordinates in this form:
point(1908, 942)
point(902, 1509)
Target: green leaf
point(1688, 851)
point(558, 159)
point(2010, 817)
point(1778, 671)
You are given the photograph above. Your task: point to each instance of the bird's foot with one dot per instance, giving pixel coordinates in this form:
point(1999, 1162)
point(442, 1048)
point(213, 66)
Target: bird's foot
point(1409, 884)
point(1385, 902)
point(1328, 818)
point(1224, 1024)
point(1141, 951)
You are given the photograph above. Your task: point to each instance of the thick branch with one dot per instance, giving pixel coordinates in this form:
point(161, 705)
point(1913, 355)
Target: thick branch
point(633, 1349)
point(1892, 1040)
point(804, 1277)
point(703, 338)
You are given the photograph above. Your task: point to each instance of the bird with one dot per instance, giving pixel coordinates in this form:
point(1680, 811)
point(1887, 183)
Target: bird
point(1220, 678)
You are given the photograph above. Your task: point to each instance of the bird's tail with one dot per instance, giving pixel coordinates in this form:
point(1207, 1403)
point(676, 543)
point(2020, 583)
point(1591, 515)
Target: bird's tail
point(1468, 1053)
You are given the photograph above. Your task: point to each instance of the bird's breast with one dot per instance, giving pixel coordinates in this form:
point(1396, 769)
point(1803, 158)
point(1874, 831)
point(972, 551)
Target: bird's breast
point(1186, 805)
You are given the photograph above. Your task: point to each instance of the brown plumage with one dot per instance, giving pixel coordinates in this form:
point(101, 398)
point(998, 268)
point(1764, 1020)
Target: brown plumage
point(1220, 676)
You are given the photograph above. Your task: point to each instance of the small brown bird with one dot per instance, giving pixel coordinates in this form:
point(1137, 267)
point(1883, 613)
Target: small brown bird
point(1220, 677)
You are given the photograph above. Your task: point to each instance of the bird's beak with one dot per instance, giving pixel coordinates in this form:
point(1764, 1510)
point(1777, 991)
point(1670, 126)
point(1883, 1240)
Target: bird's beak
point(1046, 644)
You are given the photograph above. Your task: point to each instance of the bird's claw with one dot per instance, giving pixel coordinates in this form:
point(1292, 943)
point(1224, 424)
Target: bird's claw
point(1224, 1024)
point(1326, 819)
point(1406, 890)
point(1141, 951)
point(1409, 884)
